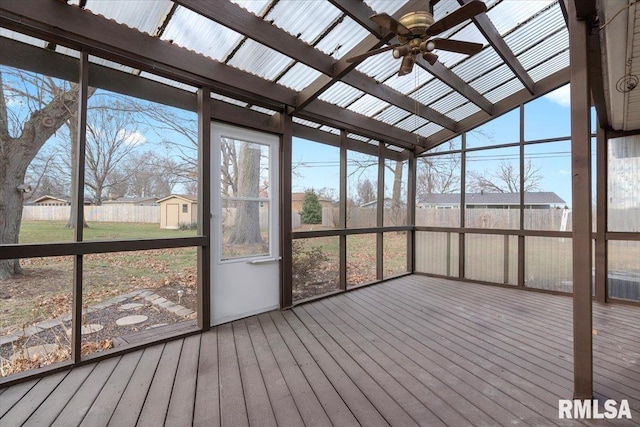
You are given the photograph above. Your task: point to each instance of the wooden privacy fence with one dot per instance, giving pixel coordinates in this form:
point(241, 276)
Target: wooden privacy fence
point(534, 219)
point(104, 213)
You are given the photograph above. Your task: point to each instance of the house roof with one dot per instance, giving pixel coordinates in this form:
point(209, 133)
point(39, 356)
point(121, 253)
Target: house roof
point(187, 198)
point(130, 200)
point(530, 198)
point(298, 197)
point(48, 197)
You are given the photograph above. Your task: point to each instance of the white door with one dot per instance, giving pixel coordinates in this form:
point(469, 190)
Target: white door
point(245, 264)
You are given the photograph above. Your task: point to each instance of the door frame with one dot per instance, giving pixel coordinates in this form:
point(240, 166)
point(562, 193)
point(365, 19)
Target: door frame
point(258, 262)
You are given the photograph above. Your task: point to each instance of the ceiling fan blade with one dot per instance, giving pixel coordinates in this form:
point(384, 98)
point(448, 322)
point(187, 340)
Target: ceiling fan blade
point(365, 55)
point(467, 48)
point(431, 58)
point(388, 22)
point(467, 11)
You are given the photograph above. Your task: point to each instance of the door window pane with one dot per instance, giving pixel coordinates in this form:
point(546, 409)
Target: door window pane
point(245, 199)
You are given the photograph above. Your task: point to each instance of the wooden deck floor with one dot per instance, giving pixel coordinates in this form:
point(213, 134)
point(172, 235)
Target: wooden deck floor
point(411, 351)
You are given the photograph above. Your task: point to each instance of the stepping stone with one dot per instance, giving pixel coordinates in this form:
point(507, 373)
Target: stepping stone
point(130, 306)
point(88, 329)
point(131, 320)
point(35, 351)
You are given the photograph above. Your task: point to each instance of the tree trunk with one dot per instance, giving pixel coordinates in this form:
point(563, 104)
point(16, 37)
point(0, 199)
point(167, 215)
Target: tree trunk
point(72, 124)
point(247, 225)
point(12, 174)
point(17, 153)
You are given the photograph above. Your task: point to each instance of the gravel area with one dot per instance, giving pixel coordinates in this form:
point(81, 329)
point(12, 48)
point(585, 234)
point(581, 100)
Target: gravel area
point(158, 311)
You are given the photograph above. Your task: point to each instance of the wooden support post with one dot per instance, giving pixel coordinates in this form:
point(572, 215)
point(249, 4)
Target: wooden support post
point(581, 206)
point(601, 216)
point(204, 207)
point(78, 219)
point(286, 270)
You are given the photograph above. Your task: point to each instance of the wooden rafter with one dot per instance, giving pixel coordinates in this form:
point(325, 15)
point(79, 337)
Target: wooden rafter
point(490, 32)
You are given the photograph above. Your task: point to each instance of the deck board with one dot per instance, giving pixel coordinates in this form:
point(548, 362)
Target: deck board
point(154, 410)
point(207, 405)
point(414, 350)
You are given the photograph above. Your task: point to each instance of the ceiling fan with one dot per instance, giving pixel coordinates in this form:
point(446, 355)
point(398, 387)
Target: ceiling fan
point(414, 31)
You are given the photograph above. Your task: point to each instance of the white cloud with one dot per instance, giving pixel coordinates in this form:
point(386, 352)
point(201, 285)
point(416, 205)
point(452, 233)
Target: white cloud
point(561, 96)
point(563, 172)
point(132, 137)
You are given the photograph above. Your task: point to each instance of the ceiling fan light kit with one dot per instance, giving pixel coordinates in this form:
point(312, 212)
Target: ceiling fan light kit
point(414, 31)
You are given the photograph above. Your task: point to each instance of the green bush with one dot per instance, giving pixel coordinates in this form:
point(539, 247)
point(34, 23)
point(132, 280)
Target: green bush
point(311, 208)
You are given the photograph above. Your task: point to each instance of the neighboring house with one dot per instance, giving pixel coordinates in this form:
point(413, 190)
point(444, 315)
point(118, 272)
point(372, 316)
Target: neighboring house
point(133, 201)
point(48, 200)
point(298, 198)
point(532, 200)
point(388, 204)
point(178, 209)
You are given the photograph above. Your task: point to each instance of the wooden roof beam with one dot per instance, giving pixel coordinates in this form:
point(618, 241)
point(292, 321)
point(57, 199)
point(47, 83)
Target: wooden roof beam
point(238, 19)
point(546, 85)
point(490, 32)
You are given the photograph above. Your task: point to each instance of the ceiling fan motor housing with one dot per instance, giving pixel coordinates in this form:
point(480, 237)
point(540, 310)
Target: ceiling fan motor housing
point(417, 22)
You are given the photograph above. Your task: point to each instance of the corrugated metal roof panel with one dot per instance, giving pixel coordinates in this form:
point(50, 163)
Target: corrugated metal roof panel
point(463, 111)
point(429, 129)
point(392, 114)
point(545, 23)
point(368, 105)
point(504, 90)
point(143, 15)
point(260, 60)
point(299, 77)
point(547, 68)
point(304, 122)
point(111, 64)
point(540, 52)
point(340, 94)
point(449, 102)
point(433, 90)
point(330, 129)
point(200, 34)
point(263, 110)
point(492, 79)
point(257, 7)
point(506, 17)
point(380, 67)
point(478, 64)
point(228, 100)
point(303, 20)
point(168, 82)
point(386, 6)
point(341, 39)
point(412, 122)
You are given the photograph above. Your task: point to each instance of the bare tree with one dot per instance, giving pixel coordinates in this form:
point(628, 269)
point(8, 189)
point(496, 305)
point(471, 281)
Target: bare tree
point(44, 105)
point(366, 191)
point(111, 138)
point(505, 178)
point(438, 174)
point(247, 222)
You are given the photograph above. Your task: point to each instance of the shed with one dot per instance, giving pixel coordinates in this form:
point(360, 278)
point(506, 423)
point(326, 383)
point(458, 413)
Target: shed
point(177, 209)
